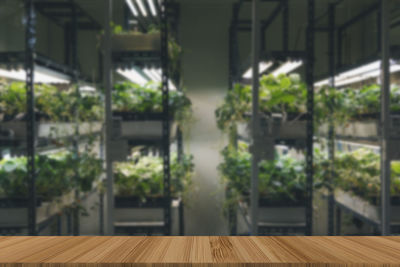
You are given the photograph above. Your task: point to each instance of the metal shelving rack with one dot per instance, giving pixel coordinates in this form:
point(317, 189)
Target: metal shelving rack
point(66, 10)
point(129, 59)
point(258, 28)
point(381, 8)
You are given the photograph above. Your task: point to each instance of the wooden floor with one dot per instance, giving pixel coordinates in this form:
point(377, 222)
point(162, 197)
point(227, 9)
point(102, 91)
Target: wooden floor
point(199, 251)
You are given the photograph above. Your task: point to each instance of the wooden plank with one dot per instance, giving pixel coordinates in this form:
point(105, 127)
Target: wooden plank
point(199, 251)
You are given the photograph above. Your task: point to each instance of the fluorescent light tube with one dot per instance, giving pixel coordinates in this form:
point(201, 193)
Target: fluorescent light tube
point(151, 75)
point(152, 7)
point(41, 75)
point(156, 73)
point(132, 8)
point(263, 66)
point(287, 67)
point(134, 76)
point(364, 72)
point(142, 7)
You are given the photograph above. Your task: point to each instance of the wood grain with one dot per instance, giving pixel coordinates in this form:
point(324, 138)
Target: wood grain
point(199, 251)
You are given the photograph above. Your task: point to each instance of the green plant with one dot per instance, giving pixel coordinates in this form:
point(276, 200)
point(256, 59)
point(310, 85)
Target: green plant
point(131, 97)
point(357, 172)
point(51, 103)
point(343, 105)
point(280, 180)
point(285, 94)
point(56, 175)
point(143, 177)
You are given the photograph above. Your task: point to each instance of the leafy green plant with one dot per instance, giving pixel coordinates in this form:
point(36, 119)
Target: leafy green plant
point(56, 175)
point(131, 97)
point(343, 105)
point(285, 94)
point(142, 177)
point(51, 103)
point(280, 180)
point(358, 172)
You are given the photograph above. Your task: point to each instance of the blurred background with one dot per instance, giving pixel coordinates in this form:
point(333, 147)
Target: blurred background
point(140, 117)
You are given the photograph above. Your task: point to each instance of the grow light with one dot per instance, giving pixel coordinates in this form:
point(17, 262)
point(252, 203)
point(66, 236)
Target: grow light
point(142, 8)
point(134, 76)
point(158, 74)
point(263, 66)
point(152, 7)
point(41, 75)
point(132, 7)
point(287, 67)
point(87, 89)
point(362, 73)
point(152, 74)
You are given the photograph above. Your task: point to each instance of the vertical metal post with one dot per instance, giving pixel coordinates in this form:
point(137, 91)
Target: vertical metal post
point(285, 26)
point(109, 229)
point(166, 123)
point(75, 81)
point(385, 119)
point(339, 47)
point(331, 133)
point(30, 42)
point(310, 111)
point(255, 117)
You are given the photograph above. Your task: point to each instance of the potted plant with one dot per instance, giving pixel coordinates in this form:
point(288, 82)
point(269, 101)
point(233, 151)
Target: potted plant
point(55, 111)
point(55, 184)
point(282, 108)
point(139, 185)
point(357, 183)
point(135, 41)
point(281, 187)
point(356, 112)
point(139, 114)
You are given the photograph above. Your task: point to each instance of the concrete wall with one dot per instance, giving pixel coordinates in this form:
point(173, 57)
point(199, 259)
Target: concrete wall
point(204, 34)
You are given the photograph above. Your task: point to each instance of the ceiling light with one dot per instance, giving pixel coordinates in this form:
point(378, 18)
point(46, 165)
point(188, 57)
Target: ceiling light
point(142, 8)
point(134, 76)
point(287, 67)
point(132, 7)
point(263, 66)
point(358, 74)
point(41, 75)
point(152, 7)
point(151, 75)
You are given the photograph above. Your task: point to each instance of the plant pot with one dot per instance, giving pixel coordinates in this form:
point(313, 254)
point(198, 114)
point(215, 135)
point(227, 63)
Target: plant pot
point(49, 129)
point(364, 208)
point(136, 42)
point(19, 215)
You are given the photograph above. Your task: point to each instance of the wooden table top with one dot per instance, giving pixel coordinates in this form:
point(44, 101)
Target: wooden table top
point(199, 251)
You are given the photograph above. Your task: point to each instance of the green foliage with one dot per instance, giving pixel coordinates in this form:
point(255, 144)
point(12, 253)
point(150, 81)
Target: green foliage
point(143, 176)
point(357, 172)
point(285, 94)
point(51, 103)
point(131, 97)
point(56, 174)
point(280, 180)
point(342, 105)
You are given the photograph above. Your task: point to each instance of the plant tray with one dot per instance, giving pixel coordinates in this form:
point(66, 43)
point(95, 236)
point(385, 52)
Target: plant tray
point(136, 42)
point(135, 202)
point(17, 129)
point(19, 215)
point(366, 129)
point(364, 208)
point(289, 130)
point(141, 130)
